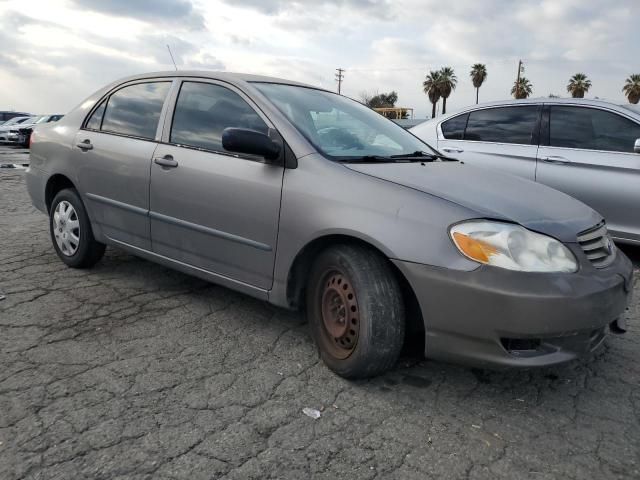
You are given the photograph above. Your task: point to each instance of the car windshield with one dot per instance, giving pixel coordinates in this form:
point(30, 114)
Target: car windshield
point(341, 128)
point(14, 120)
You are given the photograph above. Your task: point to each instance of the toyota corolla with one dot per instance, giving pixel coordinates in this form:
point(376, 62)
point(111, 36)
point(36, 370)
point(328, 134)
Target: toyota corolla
point(307, 199)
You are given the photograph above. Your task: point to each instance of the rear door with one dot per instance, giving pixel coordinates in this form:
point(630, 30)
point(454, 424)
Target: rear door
point(502, 138)
point(587, 152)
point(210, 208)
point(113, 154)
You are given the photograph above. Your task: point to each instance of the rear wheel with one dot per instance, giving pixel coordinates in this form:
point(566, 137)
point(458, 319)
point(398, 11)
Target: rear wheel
point(71, 232)
point(355, 311)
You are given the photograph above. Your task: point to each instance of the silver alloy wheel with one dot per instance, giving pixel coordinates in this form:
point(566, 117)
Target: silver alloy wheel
point(66, 228)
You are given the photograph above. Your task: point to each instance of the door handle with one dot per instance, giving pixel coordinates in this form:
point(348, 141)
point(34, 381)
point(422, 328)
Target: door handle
point(85, 145)
point(555, 160)
point(453, 150)
point(166, 161)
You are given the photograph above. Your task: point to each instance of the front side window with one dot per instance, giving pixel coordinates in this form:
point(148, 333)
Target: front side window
point(453, 129)
point(503, 125)
point(204, 110)
point(338, 127)
point(135, 110)
point(591, 129)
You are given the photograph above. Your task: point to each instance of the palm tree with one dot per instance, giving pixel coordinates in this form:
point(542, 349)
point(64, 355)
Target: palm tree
point(431, 86)
point(478, 76)
point(632, 88)
point(578, 85)
point(523, 89)
point(447, 84)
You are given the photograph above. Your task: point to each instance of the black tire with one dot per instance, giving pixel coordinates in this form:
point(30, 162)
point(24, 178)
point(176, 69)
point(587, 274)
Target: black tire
point(89, 251)
point(358, 284)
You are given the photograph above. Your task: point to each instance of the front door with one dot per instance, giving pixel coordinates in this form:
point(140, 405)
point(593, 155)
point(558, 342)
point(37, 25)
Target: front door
point(211, 209)
point(501, 138)
point(588, 153)
point(113, 154)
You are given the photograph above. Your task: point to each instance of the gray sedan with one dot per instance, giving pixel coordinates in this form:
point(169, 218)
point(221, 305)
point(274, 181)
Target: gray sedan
point(589, 149)
point(307, 199)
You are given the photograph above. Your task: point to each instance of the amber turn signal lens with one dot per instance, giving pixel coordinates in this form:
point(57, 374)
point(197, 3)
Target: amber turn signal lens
point(475, 249)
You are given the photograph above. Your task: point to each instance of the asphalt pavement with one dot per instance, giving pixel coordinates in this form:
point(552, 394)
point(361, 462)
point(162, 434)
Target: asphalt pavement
point(134, 371)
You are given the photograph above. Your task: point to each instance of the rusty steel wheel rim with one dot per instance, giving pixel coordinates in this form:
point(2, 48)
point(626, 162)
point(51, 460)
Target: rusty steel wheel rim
point(340, 314)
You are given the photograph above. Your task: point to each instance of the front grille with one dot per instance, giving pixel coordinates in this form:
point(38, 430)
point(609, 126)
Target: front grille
point(598, 246)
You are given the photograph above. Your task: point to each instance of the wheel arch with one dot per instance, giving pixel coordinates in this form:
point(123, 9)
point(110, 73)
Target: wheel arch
point(56, 183)
point(296, 278)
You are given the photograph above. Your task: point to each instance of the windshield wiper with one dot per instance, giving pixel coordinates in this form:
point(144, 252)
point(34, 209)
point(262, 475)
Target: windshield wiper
point(367, 159)
point(422, 156)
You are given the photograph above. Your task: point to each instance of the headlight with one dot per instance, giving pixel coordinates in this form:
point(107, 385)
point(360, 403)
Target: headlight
point(513, 247)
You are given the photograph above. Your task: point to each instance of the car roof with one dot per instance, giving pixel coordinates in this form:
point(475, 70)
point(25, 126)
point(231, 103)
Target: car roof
point(230, 77)
point(580, 101)
point(626, 109)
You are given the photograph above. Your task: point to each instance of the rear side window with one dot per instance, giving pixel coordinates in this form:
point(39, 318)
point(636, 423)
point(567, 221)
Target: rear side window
point(591, 129)
point(135, 110)
point(204, 110)
point(453, 129)
point(503, 125)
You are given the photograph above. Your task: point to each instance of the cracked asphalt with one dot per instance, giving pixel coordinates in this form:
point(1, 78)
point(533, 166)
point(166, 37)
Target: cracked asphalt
point(130, 370)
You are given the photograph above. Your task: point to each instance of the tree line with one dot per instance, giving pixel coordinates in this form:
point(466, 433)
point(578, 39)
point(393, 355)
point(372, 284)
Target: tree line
point(439, 84)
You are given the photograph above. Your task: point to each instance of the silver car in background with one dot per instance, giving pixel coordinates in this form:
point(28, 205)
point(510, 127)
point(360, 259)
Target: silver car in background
point(589, 149)
point(307, 199)
point(9, 130)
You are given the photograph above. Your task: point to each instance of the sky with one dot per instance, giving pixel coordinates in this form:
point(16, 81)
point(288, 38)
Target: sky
point(55, 53)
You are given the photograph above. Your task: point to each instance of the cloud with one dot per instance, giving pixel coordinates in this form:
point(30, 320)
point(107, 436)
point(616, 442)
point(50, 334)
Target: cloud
point(275, 7)
point(57, 50)
point(177, 12)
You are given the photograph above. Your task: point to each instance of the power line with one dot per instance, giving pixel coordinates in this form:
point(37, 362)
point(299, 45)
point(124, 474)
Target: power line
point(339, 78)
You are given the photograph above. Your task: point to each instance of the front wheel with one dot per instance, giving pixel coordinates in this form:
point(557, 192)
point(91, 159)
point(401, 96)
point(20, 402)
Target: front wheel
point(355, 311)
point(71, 232)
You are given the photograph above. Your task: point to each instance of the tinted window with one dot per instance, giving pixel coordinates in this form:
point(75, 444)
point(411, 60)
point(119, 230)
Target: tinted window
point(96, 117)
point(135, 110)
point(591, 129)
point(204, 110)
point(453, 129)
point(503, 125)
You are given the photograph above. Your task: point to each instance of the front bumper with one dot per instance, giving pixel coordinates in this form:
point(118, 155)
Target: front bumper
point(492, 317)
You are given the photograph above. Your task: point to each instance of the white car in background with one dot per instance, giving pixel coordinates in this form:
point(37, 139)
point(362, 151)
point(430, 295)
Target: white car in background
point(9, 130)
point(589, 149)
point(25, 129)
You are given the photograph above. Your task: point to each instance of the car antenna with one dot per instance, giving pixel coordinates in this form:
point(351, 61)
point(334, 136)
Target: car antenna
point(171, 55)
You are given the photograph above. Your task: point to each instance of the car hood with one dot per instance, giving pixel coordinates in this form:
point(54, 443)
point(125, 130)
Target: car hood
point(491, 194)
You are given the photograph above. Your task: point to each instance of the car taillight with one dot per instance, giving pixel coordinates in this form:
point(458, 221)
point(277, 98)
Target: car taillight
point(31, 137)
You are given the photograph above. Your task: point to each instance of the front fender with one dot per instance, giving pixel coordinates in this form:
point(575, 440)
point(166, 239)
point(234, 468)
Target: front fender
point(322, 198)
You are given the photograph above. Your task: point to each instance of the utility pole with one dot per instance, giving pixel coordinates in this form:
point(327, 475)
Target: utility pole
point(520, 69)
point(339, 78)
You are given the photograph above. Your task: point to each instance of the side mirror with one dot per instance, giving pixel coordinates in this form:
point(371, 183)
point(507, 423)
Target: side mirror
point(636, 147)
point(252, 142)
